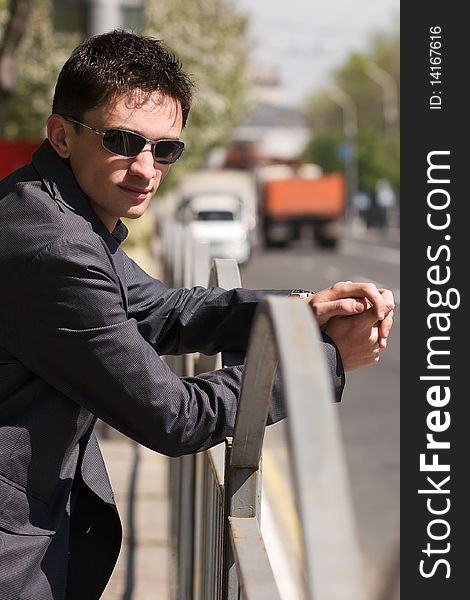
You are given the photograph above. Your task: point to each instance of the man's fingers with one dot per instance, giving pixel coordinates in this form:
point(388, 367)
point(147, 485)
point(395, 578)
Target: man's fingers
point(345, 307)
point(382, 301)
point(386, 325)
point(388, 298)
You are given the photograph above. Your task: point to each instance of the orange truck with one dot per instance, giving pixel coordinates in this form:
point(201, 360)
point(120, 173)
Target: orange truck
point(288, 203)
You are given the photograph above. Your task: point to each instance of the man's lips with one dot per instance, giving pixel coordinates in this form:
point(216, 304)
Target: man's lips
point(136, 191)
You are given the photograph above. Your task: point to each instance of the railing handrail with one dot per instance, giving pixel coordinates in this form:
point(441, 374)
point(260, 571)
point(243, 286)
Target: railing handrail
point(285, 329)
point(285, 337)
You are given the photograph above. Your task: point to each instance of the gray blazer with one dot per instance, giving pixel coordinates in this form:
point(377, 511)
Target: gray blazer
point(82, 331)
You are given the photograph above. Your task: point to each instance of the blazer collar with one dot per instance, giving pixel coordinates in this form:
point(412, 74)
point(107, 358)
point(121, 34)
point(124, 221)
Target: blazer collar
point(61, 184)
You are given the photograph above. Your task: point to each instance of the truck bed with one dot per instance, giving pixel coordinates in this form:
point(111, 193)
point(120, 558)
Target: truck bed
point(305, 197)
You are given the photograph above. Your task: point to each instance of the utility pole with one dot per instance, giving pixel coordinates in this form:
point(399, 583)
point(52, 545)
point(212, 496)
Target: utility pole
point(389, 93)
point(390, 114)
point(103, 16)
point(350, 127)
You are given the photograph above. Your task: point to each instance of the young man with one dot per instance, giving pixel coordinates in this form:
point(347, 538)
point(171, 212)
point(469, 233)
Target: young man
point(82, 327)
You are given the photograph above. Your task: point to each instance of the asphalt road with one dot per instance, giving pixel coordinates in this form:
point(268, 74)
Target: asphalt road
point(370, 412)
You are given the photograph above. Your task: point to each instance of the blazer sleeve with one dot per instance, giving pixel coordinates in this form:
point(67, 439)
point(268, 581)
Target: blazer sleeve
point(72, 331)
point(176, 321)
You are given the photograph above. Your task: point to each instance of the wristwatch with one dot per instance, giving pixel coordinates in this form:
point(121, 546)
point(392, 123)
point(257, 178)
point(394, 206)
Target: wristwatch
point(301, 293)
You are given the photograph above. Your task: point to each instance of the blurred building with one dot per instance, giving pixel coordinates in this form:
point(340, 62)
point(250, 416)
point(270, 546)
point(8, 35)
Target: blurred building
point(272, 131)
point(271, 128)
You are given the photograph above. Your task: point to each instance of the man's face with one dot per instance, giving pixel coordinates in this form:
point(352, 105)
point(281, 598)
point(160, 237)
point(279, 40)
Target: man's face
point(118, 186)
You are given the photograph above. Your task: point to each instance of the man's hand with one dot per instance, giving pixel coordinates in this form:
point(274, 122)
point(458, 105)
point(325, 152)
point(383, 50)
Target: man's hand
point(358, 317)
point(357, 339)
point(348, 298)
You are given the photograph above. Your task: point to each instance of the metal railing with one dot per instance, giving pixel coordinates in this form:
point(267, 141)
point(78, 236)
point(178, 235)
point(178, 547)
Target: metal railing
point(219, 551)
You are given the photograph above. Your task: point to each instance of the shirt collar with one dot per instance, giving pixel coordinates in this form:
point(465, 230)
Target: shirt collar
point(120, 232)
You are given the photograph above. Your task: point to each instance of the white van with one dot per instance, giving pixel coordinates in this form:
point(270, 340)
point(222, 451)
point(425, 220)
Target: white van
point(216, 218)
point(237, 182)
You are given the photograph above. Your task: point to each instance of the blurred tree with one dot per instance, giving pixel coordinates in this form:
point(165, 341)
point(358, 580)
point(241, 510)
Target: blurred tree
point(377, 145)
point(16, 14)
point(40, 55)
point(323, 149)
point(208, 36)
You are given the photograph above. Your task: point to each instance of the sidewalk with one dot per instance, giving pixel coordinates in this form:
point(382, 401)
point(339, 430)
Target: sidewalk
point(139, 479)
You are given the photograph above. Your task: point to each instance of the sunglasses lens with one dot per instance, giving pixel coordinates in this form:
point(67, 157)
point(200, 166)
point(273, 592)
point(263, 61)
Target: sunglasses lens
point(168, 151)
point(124, 143)
point(127, 143)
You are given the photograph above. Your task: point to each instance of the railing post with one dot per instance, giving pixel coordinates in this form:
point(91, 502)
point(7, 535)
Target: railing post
point(243, 501)
point(180, 267)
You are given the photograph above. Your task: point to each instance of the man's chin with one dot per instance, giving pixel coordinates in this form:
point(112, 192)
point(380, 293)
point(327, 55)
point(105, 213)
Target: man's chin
point(136, 211)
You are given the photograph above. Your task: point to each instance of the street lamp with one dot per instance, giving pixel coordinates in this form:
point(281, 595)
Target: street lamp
point(390, 102)
point(389, 92)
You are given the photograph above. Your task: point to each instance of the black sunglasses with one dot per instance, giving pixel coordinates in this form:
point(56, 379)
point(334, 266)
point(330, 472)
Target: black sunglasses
point(130, 144)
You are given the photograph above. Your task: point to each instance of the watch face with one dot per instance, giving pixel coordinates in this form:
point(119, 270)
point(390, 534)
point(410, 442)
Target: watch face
point(301, 293)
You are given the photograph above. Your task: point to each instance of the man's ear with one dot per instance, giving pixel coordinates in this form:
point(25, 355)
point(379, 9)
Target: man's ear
point(57, 133)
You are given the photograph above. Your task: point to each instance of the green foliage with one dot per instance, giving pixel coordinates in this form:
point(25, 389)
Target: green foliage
point(41, 55)
point(377, 145)
point(378, 157)
point(323, 150)
point(3, 13)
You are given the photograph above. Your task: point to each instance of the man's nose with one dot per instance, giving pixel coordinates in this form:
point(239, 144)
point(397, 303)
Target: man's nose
point(143, 165)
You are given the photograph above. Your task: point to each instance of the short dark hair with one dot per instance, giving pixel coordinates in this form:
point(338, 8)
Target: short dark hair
point(107, 65)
